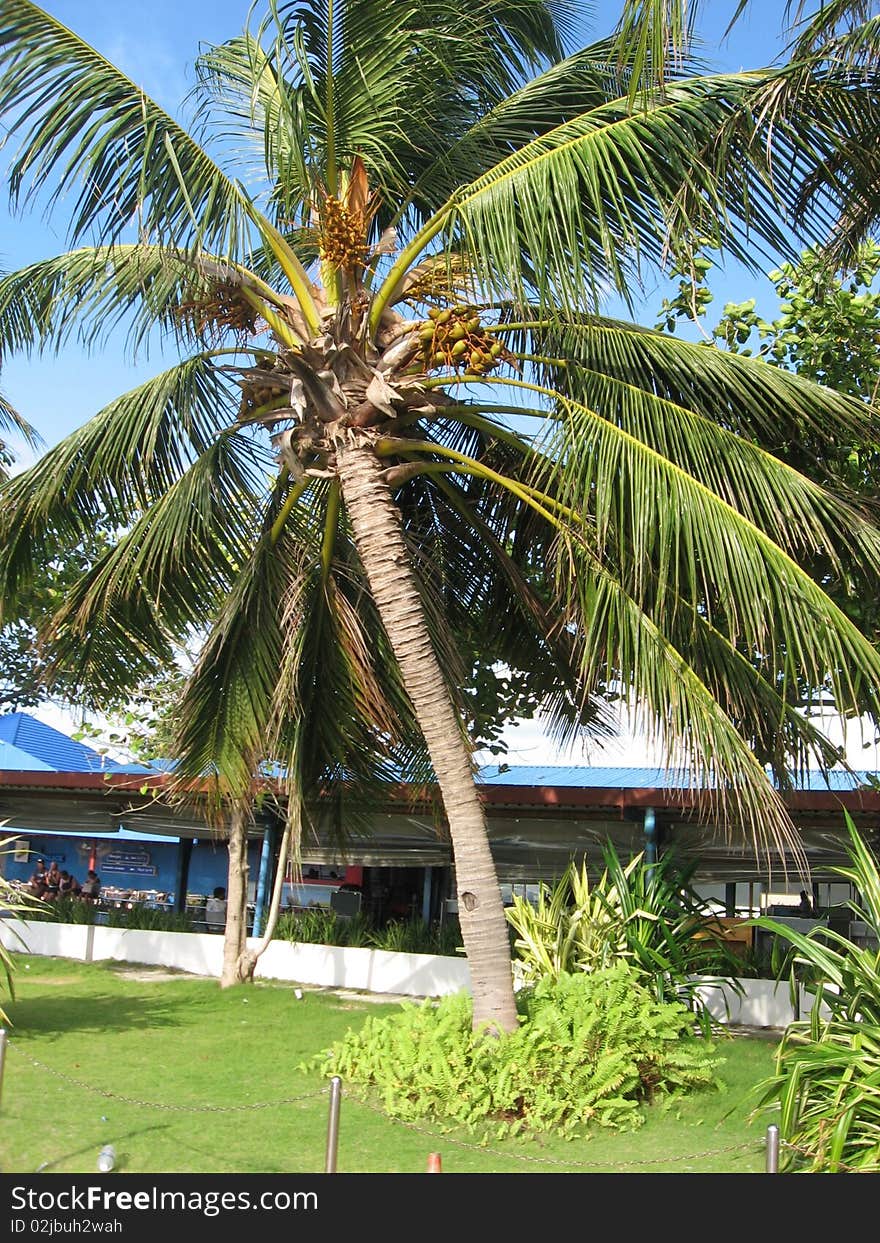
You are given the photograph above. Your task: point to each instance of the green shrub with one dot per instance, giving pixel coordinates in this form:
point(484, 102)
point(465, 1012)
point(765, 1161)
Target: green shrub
point(319, 926)
point(642, 914)
point(591, 1050)
point(149, 919)
point(64, 911)
point(825, 1092)
point(414, 936)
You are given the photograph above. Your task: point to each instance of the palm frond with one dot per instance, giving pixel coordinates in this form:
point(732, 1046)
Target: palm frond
point(225, 710)
point(164, 579)
point(619, 642)
point(665, 530)
point(84, 127)
point(593, 199)
point(86, 294)
point(655, 36)
point(710, 412)
point(387, 81)
point(12, 421)
point(110, 469)
point(247, 105)
point(580, 82)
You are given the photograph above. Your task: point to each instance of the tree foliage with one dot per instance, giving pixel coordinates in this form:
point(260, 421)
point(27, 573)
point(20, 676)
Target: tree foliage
point(401, 429)
point(827, 330)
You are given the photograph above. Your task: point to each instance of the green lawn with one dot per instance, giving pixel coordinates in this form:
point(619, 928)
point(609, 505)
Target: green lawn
point(167, 1070)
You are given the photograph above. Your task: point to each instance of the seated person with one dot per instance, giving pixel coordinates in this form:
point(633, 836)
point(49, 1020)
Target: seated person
point(37, 882)
point(91, 886)
point(69, 886)
point(805, 906)
point(215, 910)
point(53, 882)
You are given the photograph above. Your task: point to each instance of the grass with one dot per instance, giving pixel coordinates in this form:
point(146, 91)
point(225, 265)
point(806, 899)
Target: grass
point(182, 1077)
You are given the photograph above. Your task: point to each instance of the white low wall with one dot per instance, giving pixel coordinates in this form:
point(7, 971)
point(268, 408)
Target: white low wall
point(201, 953)
point(372, 971)
point(51, 940)
point(197, 952)
point(764, 1003)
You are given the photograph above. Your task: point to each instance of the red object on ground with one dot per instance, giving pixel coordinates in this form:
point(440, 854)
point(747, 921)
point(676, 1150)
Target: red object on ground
point(434, 1163)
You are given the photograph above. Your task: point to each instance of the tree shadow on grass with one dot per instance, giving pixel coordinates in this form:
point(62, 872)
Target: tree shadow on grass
point(57, 1015)
point(111, 998)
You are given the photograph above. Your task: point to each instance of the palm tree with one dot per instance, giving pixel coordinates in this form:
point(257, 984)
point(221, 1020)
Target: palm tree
point(398, 409)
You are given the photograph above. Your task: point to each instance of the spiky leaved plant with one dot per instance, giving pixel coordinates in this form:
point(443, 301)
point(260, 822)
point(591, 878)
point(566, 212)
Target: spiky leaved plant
point(823, 1092)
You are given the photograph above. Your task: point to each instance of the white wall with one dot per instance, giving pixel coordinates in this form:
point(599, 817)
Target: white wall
point(764, 1003)
point(201, 953)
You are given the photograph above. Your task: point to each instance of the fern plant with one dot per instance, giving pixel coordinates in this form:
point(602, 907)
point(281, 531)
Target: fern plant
point(591, 1051)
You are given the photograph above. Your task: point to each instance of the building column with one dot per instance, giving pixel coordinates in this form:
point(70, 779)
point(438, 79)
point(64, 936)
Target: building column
point(265, 877)
point(650, 830)
point(184, 854)
point(730, 899)
point(426, 896)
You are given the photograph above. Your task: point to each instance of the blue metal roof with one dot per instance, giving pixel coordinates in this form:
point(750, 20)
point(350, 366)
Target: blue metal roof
point(122, 834)
point(59, 753)
point(14, 760)
point(620, 778)
point(27, 744)
point(147, 767)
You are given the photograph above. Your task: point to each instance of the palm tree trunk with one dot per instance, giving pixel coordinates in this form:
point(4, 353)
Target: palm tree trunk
point(237, 966)
point(383, 553)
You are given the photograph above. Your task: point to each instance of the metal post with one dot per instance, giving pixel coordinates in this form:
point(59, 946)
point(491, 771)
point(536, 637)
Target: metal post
point(772, 1150)
point(730, 899)
point(181, 883)
point(2, 1057)
point(263, 881)
point(650, 829)
point(333, 1125)
point(426, 897)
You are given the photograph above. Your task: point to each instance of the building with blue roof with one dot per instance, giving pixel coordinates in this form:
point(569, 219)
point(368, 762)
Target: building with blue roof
point(67, 799)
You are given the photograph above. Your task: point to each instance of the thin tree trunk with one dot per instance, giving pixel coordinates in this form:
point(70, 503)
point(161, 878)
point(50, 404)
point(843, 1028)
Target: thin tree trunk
point(383, 553)
point(236, 965)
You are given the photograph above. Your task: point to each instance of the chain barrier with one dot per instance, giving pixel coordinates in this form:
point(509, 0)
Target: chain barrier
point(195, 1109)
point(525, 1157)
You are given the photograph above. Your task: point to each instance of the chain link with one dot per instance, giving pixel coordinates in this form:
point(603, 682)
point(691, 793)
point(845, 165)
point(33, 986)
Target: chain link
point(412, 1126)
point(525, 1157)
point(194, 1109)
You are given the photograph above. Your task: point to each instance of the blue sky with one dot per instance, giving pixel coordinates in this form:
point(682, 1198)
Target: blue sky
point(155, 44)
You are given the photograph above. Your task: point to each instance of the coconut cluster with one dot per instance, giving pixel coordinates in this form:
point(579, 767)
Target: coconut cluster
point(342, 235)
point(455, 337)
